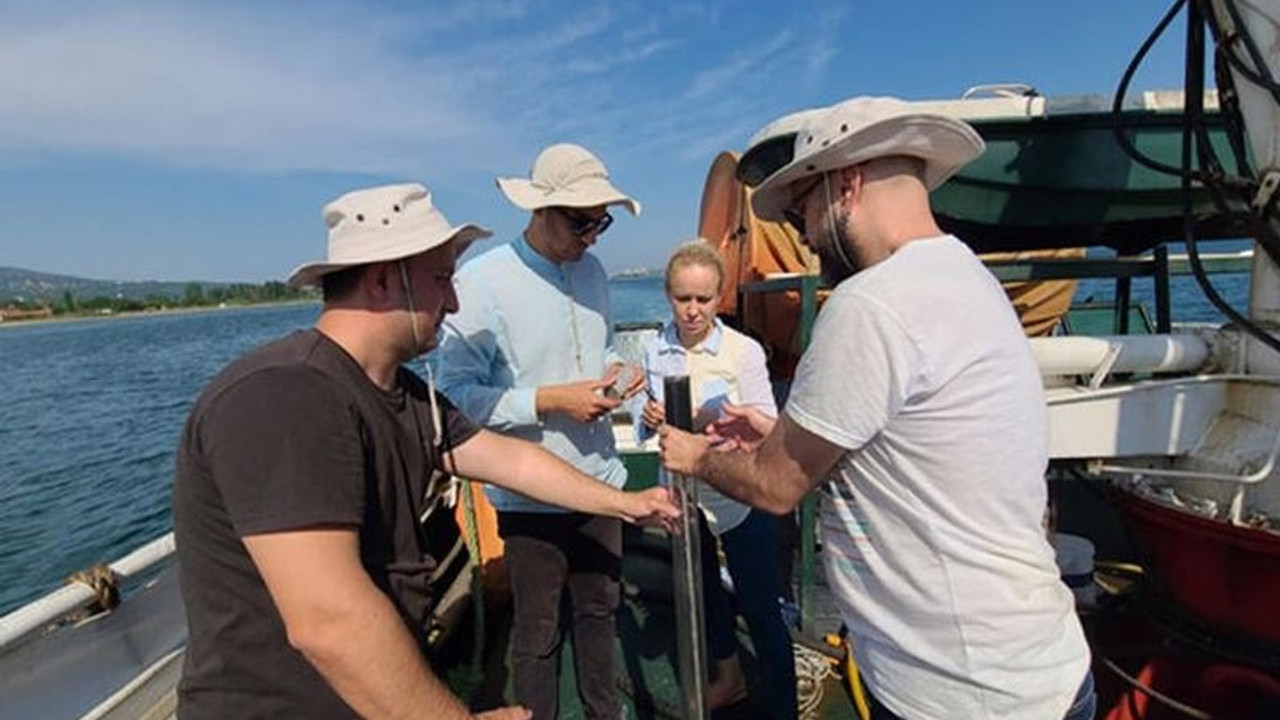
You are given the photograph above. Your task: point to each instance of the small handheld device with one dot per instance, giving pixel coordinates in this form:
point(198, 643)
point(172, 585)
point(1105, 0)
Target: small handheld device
point(626, 376)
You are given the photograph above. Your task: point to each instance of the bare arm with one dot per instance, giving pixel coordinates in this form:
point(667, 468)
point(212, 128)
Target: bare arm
point(351, 632)
point(773, 477)
point(538, 474)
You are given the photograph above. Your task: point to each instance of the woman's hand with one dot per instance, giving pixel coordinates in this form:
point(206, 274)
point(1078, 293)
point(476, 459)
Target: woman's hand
point(654, 414)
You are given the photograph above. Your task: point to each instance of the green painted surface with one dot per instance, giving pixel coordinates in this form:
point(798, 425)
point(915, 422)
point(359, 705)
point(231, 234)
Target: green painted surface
point(1101, 320)
point(642, 469)
point(1065, 180)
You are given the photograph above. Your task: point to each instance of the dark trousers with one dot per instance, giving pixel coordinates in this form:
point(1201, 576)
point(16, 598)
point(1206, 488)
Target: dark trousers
point(750, 550)
point(545, 552)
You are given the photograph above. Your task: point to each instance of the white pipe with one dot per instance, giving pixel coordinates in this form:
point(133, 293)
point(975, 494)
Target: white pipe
point(72, 596)
point(1125, 353)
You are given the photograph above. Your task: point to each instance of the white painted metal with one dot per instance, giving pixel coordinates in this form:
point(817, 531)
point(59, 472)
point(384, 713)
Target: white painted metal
point(1100, 356)
point(152, 694)
point(25, 620)
point(1215, 437)
point(1161, 418)
point(1261, 114)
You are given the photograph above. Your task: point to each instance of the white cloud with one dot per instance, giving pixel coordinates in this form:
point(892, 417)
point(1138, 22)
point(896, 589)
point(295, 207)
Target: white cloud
point(364, 87)
point(725, 75)
point(224, 88)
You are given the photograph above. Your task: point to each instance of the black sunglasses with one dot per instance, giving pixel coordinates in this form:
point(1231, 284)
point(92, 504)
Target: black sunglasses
point(582, 225)
point(794, 216)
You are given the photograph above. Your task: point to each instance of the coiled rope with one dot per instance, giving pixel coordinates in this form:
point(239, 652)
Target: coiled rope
point(106, 593)
point(812, 669)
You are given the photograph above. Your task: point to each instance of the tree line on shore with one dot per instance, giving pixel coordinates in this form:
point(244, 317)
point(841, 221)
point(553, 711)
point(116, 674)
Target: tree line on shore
point(194, 295)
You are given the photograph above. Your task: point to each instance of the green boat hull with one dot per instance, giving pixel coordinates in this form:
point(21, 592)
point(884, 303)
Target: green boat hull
point(1065, 181)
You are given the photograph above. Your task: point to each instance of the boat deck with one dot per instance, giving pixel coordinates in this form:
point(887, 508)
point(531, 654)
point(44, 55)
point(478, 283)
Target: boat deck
point(647, 655)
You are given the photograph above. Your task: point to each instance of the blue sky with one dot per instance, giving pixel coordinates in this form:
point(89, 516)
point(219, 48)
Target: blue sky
point(198, 139)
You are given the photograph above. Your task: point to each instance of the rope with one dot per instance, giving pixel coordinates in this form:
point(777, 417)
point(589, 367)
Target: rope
point(103, 583)
point(812, 668)
point(1154, 694)
point(474, 566)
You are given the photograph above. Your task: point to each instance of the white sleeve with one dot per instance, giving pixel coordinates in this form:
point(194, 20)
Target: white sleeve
point(857, 373)
point(753, 379)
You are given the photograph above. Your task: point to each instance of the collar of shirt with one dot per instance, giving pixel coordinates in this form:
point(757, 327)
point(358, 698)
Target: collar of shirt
point(710, 344)
point(535, 260)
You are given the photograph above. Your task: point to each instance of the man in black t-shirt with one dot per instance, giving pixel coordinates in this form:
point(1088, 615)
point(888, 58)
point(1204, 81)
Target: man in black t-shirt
point(304, 468)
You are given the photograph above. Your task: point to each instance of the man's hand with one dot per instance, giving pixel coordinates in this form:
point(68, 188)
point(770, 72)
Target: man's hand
point(742, 427)
point(652, 508)
point(584, 400)
point(681, 451)
point(513, 712)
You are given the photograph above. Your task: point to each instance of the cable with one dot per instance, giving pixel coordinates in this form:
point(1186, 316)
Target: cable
point(1262, 75)
point(1154, 694)
point(1193, 115)
point(1117, 104)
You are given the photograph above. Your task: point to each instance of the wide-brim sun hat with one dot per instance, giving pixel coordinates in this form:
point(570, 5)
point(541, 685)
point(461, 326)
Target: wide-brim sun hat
point(566, 175)
point(862, 129)
point(773, 146)
point(382, 224)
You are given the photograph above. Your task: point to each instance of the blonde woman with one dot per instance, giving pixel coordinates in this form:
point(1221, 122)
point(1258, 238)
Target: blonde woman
point(724, 365)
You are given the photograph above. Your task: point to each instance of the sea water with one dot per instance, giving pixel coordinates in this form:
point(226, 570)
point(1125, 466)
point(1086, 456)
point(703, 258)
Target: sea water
point(91, 410)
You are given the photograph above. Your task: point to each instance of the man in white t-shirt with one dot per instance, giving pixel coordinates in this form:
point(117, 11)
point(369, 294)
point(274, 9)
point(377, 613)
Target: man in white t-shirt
point(920, 405)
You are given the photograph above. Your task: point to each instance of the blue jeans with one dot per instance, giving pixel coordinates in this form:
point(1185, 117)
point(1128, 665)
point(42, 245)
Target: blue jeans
point(751, 552)
point(1084, 707)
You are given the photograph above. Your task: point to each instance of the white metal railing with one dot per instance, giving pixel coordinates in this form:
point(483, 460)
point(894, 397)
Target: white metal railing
point(39, 614)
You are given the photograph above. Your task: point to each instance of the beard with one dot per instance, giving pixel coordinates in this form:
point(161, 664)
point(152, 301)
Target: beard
point(834, 246)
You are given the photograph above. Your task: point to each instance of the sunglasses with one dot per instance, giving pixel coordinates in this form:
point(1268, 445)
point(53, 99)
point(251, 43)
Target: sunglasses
point(582, 225)
point(794, 213)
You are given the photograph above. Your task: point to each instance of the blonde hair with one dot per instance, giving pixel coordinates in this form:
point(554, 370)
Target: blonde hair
point(695, 252)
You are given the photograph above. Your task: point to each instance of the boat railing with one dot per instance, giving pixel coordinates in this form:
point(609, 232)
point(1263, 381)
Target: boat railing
point(1160, 265)
point(77, 595)
point(1241, 480)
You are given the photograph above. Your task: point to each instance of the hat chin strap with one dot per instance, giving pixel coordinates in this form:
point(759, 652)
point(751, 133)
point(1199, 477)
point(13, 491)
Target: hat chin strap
point(408, 294)
point(438, 437)
point(831, 225)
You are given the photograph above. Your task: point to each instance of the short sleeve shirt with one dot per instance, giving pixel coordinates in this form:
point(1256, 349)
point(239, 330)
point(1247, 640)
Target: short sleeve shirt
point(295, 435)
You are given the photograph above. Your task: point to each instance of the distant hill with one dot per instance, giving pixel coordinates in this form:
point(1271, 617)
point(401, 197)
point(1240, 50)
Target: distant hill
point(638, 272)
point(34, 286)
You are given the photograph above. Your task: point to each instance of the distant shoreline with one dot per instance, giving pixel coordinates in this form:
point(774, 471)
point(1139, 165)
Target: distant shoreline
point(76, 317)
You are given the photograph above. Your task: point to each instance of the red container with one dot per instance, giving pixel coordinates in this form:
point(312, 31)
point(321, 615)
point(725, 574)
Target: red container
point(1221, 690)
point(1228, 576)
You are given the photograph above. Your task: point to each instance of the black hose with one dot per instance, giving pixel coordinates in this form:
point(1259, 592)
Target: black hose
point(1266, 224)
point(1117, 105)
point(1260, 77)
point(1193, 116)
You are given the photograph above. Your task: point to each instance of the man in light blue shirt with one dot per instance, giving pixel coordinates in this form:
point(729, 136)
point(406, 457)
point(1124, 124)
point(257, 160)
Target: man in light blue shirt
point(530, 354)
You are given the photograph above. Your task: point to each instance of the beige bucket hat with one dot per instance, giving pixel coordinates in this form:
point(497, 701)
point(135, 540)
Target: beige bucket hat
point(859, 130)
point(566, 175)
point(385, 223)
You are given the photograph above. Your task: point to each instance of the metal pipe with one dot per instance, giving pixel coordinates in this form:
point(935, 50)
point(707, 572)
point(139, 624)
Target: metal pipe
point(691, 646)
point(1133, 353)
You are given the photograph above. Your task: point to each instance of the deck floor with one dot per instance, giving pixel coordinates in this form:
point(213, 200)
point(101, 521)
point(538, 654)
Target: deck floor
point(646, 651)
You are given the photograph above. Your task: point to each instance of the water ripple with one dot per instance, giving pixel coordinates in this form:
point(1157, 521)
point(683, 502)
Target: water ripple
point(91, 410)
point(90, 415)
